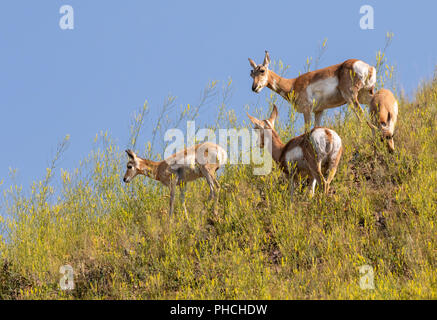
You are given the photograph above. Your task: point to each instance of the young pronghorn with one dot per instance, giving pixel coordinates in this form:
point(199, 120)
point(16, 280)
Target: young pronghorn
point(202, 160)
point(384, 111)
point(319, 90)
point(306, 155)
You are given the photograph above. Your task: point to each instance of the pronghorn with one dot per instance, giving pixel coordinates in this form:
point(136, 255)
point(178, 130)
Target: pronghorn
point(305, 155)
point(384, 111)
point(202, 160)
point(318, 90)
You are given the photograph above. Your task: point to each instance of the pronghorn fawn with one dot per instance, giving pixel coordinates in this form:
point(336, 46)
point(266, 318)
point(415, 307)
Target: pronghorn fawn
point(306, 155)
point(318, 90)
point(202, 160)
point(384, 111)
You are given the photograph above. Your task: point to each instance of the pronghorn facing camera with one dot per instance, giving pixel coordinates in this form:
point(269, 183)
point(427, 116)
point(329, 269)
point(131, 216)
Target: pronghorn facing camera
point(202, 160)
point(322, 89)
point(305, 155)
point(384, 111)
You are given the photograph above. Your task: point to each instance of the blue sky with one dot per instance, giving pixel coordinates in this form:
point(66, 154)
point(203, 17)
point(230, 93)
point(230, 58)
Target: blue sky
point(79, 82)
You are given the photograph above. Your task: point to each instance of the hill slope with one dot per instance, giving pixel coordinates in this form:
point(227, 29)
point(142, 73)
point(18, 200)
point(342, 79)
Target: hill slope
point(122, 244)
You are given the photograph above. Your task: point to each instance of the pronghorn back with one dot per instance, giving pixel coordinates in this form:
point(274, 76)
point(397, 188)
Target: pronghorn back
point(384, 109)
point(323, 143)
point(318, 90)
point(203, 153)
point(187, 161)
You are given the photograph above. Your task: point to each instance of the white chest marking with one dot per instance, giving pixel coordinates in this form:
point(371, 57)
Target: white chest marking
point(274, 85)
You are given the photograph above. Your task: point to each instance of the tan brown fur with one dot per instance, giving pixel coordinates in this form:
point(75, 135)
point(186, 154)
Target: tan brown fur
point(349, 88)
point(384, 111)
point(174, 172)
point(312, 166)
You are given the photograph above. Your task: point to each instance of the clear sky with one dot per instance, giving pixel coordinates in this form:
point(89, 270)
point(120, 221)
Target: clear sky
point(55, 82)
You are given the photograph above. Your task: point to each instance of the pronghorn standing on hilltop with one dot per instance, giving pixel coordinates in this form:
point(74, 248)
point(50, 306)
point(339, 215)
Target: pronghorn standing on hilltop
point(307, 155)
point(202, 160)
point(318, 90)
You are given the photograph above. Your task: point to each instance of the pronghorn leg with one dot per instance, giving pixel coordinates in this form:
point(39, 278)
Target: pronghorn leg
point(316, 180)
point(216, 200)
point(351, 96)
point(318, 118)
point(357, 108)
point(212, 182)
point(313, 187)
point(324, 183)
point(209, 178)
point(317, 176)
point(333, 165)
point(217, 185)
point(307, 118)
point(183, 191)
point(212, 173)
point(172, 195)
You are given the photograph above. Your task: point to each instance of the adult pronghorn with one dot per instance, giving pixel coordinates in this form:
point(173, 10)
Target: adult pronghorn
point(202, 160)
point(305, 155)
point(384, 111)
point(321, 89)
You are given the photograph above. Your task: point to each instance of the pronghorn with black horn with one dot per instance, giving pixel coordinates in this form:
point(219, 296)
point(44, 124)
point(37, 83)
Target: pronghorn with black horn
point(318, 90)
point(307, 155)
point(202, 160)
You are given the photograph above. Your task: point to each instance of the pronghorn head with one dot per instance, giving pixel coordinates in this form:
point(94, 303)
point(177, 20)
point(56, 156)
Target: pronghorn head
point(263, 125)
point(135, 166)
point(132, 169)
point(260, 73)
point(384, 125)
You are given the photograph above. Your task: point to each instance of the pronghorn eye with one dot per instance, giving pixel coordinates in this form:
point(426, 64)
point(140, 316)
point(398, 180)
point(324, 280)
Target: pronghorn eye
point(262, 71)
point(129, 167)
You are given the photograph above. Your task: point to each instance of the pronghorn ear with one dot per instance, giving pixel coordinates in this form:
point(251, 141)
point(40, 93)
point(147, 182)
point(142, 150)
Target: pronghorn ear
point(273, 115)
point(252, 63)
point(130, 154)
point(266, 60)
point(255, 121)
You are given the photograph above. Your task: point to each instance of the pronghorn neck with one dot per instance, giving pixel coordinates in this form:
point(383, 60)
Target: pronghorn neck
point(149, 168)
point(280, 85)
point(277, 146)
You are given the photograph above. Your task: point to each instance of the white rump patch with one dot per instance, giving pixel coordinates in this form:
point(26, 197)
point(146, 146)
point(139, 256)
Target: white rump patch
point(322, 145)
point(362, 69)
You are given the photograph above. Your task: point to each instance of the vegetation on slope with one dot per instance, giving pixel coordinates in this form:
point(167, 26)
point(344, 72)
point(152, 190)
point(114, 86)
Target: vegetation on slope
point(122, 244)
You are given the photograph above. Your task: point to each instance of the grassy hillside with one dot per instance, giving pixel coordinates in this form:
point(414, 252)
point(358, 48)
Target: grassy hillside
point(122, 244)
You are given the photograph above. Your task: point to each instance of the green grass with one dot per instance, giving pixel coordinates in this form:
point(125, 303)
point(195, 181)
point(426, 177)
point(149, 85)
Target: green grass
point(123, 245)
